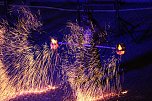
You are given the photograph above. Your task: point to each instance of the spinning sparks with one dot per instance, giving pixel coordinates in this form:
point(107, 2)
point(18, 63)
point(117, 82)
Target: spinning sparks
point(27, 68)
point(23, 70)
point(90, 79)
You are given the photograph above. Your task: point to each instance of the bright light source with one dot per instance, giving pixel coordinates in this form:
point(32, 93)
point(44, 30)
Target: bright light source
point(53, 41)
point(124, 92)
point(54, 44)
point(120, 49)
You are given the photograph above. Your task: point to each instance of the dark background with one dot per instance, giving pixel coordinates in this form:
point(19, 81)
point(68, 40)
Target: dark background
point(126, 21)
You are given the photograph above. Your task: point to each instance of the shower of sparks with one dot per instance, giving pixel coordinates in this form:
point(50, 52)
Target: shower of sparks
point(23, 70)
point(89, 79)
point(26, 68)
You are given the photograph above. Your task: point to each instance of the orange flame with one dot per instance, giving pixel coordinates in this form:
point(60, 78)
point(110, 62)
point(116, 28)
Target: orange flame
point(54, 41)
point(119, 47)
point(54, 44)
point(120, 50)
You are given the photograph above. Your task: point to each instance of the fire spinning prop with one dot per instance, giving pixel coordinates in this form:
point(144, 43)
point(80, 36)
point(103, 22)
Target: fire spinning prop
point(27, 68)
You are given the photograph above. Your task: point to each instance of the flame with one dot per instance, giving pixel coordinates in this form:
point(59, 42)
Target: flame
point(119, 47)
point(54, 41)
point(120, 50)
point(54, 44)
